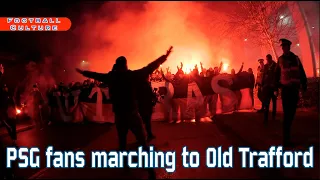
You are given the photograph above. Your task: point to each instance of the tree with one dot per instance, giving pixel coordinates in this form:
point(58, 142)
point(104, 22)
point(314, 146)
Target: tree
point(263, 22)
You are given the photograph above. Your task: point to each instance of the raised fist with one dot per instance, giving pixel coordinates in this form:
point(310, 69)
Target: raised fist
point(169, 51)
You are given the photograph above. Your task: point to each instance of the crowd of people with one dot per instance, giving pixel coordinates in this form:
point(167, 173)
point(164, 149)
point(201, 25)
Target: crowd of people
point(157, 75)
point(49, 100)
point(132, 96)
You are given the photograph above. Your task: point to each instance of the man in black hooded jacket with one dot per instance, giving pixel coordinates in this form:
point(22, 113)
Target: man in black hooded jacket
point(123, 94)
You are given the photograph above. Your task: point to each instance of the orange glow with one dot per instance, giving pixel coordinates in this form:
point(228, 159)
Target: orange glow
point(18, 111)
point(225, 67)
point(192, 28)
point(187, 68)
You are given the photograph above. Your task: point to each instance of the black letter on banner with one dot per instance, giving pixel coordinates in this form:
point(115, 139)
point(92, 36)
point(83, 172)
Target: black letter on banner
point(228, 98)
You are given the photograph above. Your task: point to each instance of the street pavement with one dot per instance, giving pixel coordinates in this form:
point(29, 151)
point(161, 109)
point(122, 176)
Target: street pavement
point(237, 130)
point(61, 136)
point(247, 129)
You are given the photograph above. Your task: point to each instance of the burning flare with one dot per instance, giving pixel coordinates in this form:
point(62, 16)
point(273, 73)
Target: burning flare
point(18, 111)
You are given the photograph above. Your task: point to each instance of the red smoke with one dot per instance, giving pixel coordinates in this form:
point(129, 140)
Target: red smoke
point(193, 29)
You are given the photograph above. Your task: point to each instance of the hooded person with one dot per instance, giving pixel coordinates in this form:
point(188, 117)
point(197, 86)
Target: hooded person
point(37, 102)
point(123, 94)
point(145, 97)
point(268, 87)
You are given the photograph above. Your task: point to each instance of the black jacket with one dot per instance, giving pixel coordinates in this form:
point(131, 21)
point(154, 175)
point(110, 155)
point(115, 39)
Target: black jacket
point(123, 86)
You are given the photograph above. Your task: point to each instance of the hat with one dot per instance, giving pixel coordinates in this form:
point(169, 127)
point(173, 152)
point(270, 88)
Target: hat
point(260, 60)
point(285, 42)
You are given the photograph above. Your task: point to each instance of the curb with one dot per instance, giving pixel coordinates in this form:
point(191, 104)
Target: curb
point(21, 129)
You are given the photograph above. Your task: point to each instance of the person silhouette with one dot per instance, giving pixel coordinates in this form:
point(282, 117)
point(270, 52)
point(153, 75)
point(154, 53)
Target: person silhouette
point(123, 94)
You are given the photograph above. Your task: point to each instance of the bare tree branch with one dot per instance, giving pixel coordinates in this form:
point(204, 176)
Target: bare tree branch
point(264, 22)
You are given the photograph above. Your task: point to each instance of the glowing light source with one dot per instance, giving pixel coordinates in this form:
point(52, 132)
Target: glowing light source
point(246, 39)
point(312, 27)
point(225, 67)
point(281, 17)
point(83, 61)
point(298, 44)
point(64, 70)
point(18, 111)
point(187, 68)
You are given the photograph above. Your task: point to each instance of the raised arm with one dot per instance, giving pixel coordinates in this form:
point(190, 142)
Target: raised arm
point(220, 67)
point(147, 70)
point(164, 77)
point(201, 66)
point(102, 77)
point(240, 70)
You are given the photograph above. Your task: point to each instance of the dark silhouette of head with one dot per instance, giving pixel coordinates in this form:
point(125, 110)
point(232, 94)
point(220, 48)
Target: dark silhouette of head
point(261, 62)
point(233, 72)
point(269, 58)
point(286, 45)
point(121, 64)
point(250, 71)
point(35, 87)
point(216, 70)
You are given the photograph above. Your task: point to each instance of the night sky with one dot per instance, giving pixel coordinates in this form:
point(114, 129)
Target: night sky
point(33, 45)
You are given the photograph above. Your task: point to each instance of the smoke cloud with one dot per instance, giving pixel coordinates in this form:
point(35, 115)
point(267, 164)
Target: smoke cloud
point(144, 31)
